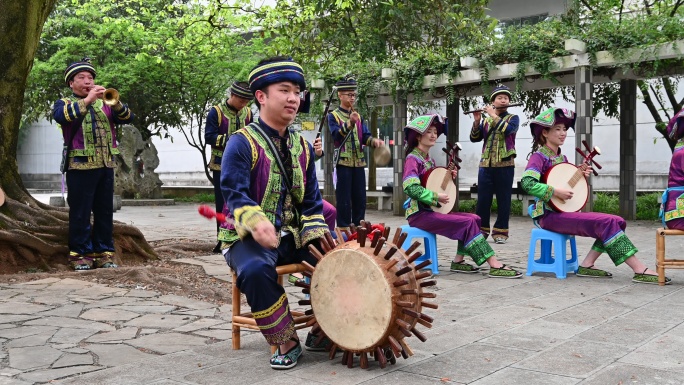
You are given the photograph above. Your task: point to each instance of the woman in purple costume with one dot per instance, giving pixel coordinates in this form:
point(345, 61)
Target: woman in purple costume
point(421, 134)
point(549, 131)
point(673, 215)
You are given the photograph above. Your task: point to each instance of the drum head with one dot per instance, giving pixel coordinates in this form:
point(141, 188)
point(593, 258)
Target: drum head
point(2, 197)
point(352, 299)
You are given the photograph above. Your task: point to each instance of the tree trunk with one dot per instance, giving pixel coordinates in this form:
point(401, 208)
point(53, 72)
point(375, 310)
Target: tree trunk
point(32, 234)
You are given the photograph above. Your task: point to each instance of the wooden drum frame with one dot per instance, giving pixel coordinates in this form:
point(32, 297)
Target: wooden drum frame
point(367, 295)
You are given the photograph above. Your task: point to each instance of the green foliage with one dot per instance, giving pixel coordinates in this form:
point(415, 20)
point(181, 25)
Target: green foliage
point(197, 198)
point(647, 205)
point(167, 63)
point(469, 206)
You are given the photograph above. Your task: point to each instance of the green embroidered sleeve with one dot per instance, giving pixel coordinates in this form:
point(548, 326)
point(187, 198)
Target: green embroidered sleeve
point(421, 194)
point(531, 184)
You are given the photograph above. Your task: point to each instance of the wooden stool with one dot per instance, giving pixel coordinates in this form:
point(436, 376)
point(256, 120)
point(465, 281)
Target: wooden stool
point(661, 262)
point(246, 320)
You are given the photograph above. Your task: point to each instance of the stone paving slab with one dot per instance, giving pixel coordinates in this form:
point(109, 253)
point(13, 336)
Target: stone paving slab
point(117, 355)
point(512, 376)
point(167, 342)
point(162, 321)
point(634, 375)
point(573, 358)
point(147, 371)
point(123, 334)
point(468, 363)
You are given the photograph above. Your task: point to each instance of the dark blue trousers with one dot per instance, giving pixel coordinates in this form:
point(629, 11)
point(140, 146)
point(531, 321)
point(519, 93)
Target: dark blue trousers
point(218, 196)
point(255, 266)
point(90, 191)
point(350, 194)
point(495, 181)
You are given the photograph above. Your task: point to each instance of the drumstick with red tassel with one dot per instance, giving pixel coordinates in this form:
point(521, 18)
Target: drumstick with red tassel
point(209, 213)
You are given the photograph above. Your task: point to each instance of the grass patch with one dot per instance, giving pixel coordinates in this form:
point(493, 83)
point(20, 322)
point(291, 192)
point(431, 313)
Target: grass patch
point(469, 206)
point(197, 198)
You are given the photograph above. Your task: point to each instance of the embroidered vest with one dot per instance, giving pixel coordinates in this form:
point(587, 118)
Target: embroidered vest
point(352, 147)
point(86, 130)
point(228, 122)
point(267, 178)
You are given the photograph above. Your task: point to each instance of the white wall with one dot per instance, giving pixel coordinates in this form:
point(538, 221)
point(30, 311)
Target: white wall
point(40, 150)
point(652, 158)
point(509, 9)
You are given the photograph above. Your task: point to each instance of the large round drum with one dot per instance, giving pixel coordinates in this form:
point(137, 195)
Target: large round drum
point(367, 297)
point(352, 299)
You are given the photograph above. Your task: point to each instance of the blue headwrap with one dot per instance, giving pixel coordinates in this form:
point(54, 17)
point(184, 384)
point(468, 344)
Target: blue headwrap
point(501, 89)
point(284, 70)
point(346, 84)
point(79, 66)
point(238, 89)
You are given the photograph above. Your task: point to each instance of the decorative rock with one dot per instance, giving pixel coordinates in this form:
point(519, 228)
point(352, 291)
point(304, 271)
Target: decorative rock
point(135, 176)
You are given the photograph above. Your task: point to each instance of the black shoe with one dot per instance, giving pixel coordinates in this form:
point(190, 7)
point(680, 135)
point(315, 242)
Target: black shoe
point(312, 347)
point(217, 248)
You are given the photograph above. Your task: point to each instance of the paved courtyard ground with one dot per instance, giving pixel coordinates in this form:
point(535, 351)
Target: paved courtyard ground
point(534, 330)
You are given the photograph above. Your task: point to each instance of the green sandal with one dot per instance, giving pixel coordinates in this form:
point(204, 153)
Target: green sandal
point(463, 267)
point(503, 272)
point(648, 278)
point(592, 273)
point(294, 279)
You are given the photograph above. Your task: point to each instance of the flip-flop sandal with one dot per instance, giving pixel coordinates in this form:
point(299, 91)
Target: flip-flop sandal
point(463, 267)
point(591, 272)
point(503, 272)
point(649, 278)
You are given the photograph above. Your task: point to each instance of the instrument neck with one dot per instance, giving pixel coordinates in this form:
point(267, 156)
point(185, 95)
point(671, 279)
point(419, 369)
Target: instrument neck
point(577, 176)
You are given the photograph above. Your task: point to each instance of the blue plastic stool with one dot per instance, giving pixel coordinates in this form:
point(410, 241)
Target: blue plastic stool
point(429, 243)
point(549, 262)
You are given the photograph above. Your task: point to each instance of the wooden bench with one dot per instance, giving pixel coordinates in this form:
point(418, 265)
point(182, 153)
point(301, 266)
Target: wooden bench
point(384, 199)
point(661, 262)
point(246, 320)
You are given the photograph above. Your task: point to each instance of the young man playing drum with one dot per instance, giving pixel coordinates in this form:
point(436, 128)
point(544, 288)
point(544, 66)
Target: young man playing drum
point(549, 131)
point(268, 180)
point(420, 135)
point(497, 165)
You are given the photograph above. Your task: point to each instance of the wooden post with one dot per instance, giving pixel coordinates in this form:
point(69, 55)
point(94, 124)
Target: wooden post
point(628, 127)
point(399, 122)
point(583, 124)
point(372, 167)
point(452, 112)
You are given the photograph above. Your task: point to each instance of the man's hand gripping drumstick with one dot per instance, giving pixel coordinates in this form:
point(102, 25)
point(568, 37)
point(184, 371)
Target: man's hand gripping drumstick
point(263, 232)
